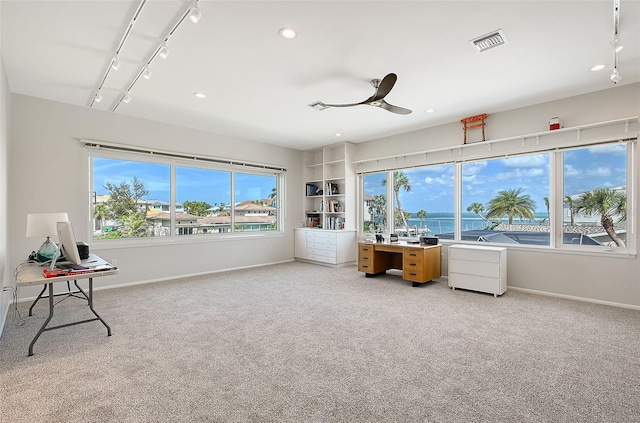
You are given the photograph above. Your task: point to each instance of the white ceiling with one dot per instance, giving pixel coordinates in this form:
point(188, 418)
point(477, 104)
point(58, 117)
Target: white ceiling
point(259, 85)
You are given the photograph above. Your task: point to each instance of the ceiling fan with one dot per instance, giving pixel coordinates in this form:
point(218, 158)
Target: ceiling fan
point(383, 87)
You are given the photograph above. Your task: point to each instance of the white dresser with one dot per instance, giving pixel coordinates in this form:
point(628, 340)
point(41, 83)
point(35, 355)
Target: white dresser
point(325, 246)
point(478, 268)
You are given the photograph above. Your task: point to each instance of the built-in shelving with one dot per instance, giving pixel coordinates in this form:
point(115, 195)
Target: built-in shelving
point(330, 187)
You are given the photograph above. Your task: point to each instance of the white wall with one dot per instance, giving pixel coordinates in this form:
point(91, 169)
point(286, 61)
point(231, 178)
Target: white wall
point(48, 169)
point(596, 278)
point(5, 297)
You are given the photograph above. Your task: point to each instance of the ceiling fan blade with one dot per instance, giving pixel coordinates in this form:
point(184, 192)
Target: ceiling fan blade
point(383, 89)
point(394, 109)
point(343, 105)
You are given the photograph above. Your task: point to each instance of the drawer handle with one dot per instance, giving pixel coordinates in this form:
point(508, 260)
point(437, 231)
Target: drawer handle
point(413, 254)
point(412, 274)
point(412, 264)
point(366, 267)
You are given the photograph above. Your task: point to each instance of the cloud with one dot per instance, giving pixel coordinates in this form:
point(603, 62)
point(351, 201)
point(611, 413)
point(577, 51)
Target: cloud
point(470, 169)
point(601, 171)
point(570, 170)
point(535, 160)
point(611, 149)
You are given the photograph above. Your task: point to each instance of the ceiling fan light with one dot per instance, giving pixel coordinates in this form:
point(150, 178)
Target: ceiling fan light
point(164, 51)
point(147, 73)
point(115, 63)
point(195, 13)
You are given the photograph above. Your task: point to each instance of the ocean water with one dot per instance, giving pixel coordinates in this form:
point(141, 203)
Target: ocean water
point(444, 222)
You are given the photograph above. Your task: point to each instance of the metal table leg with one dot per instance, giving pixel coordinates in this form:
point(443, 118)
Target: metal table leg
point(46, 322)
point(37, 299)
point(93, 311)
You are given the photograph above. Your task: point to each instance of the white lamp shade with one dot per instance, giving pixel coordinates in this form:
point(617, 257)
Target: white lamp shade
point(44, 224)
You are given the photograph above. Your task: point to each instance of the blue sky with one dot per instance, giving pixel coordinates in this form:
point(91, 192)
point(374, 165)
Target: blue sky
point(432, 187)
point(193, 184)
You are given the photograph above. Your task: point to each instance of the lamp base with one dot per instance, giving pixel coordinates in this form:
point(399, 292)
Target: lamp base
point(46, 251)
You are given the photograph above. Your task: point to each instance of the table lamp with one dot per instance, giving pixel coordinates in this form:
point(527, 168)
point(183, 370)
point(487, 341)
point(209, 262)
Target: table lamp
point(44, 224)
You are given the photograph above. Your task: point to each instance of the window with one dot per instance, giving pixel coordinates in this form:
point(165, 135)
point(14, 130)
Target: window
point(203, 201)
point(164, 196)
point(595, 195)
point(256, 201)
point(126, 195)
point(423, 200)
point(506, 200)
point(374, 211)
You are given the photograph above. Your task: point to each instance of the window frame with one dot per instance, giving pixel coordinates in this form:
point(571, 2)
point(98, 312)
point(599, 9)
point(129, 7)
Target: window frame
point(173, 160)
point(556, 195)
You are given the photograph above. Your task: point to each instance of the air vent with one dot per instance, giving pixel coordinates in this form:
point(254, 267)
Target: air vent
point(318, 105)
point(490, 40)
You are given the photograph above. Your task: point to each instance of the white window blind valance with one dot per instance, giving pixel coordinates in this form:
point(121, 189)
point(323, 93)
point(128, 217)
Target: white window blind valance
point(106, 146)
point(625, 129)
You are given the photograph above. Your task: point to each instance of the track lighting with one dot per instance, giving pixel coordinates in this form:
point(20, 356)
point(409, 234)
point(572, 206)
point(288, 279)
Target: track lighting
point(126, 98)
point(615, 76)
point(146, 74)
point(195, 13)
point(115, 63)
point(98, 96)
point(164, 51)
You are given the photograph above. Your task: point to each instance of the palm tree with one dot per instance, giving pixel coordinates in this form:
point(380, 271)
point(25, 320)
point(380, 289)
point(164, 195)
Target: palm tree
point(607, 203)
point(273, 196)
point(477, 208)
point(546, 203)
point(400, 181)
point(572, 208)
point(421, 214)
point(510, 203)
point(377, 208)
point(100, 212)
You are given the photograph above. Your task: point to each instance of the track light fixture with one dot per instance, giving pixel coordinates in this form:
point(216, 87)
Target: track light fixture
point(195, 13)
point(115, 63)
point(126, 98)
point(98, 97)
point(146, 74)
point(617, 47)
point(164, 51)
point(615, 76)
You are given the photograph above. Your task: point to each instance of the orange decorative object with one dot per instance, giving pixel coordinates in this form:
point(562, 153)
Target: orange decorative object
point(467, 121)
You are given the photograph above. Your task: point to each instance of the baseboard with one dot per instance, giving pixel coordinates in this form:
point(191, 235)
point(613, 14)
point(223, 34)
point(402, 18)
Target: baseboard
point(168, 278)
point(572, 297)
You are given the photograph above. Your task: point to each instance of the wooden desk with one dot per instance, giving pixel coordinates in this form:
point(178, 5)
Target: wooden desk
point(31, 274)
point(419, 263)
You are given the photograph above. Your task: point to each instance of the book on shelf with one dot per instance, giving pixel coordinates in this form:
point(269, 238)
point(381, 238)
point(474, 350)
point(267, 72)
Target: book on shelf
point(332, 189)
point(334, 206)
point(333, 222)
point(311, 189)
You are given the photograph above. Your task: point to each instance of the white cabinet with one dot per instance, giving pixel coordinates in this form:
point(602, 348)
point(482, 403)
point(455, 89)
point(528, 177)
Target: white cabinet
point(330, 187)
point(325, 246)
point(478, 268)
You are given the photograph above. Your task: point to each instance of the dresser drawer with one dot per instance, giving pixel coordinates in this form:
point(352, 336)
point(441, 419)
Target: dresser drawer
point(490, 270)
point(475, 283)
point(321, 235)
point(322, 258)
point(320, 246)
point(474, 254)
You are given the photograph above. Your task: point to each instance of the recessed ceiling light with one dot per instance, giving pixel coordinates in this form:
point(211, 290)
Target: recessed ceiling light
point(598, 67)
point(287, 32)
point(430, 110)
point(199, 94)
